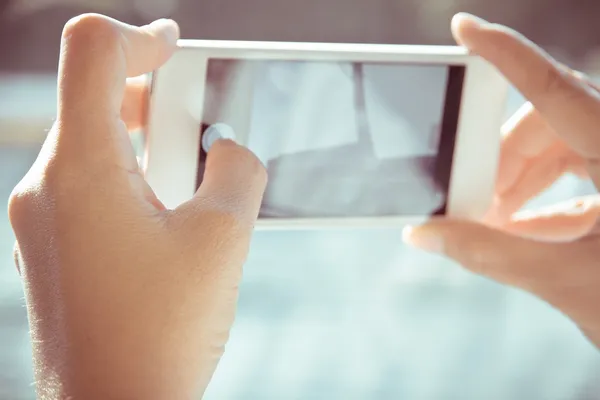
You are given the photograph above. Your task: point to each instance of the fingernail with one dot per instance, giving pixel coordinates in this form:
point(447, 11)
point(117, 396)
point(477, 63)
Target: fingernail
point(469, 21)
point(216, 132)
point(525, 215)
point(423, 238)
point(464, 17)
point(166, 27)
point(575, 207)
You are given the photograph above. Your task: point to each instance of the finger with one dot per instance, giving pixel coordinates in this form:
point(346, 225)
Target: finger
point(525, 136)
point(233, 183)
point(563, 222)
point(507, 258)
point(535, 175)
point(135, 103)
point(570, 107)
point(97, 55)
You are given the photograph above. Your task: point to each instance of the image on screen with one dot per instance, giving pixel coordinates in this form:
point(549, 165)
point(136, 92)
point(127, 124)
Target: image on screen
point(341, 139)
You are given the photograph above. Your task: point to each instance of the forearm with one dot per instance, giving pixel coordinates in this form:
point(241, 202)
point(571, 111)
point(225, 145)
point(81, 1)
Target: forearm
point(104, 371)
point(100, 349)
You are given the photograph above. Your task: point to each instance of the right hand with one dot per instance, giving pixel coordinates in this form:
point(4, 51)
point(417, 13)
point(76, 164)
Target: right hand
point(126, 299)
point(555, 252)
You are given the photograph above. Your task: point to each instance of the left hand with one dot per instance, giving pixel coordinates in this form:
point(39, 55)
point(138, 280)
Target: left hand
point(553, 253)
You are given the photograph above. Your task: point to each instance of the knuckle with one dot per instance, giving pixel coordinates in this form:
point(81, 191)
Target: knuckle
point(553, 80)
point(229, 220)
point(207, 216)
point(50, 185)
point(20, 204)
point(226, 226)
point(88, 31)
point(222, 233)
point(505, 43)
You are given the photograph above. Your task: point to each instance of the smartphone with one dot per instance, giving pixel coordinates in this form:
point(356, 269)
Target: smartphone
point(350, 134)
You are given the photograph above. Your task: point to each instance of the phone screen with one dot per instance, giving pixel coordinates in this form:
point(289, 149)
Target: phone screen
point(341, 139)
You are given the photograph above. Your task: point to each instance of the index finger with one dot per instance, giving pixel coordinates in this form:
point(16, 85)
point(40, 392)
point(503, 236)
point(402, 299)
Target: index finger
point(571, 107)
point(98, 53)
point(526, 135)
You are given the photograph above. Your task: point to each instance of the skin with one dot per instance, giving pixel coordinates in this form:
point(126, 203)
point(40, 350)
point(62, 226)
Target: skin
point(553, 252)
point(126, 299)
point(129, 300)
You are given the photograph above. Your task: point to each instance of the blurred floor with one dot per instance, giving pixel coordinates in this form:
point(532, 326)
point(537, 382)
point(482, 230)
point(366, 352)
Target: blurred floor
point(355, 315)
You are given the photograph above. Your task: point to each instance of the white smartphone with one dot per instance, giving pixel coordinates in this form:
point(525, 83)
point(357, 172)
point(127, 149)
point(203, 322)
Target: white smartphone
point(350, 134)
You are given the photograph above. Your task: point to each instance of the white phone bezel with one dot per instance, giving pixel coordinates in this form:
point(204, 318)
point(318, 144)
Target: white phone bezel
point(176, 109)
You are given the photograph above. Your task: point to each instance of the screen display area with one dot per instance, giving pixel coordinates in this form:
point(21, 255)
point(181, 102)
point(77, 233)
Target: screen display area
point(340, 139)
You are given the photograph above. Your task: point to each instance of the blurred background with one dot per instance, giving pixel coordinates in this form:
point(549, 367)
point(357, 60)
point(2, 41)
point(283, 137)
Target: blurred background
point(336, 314)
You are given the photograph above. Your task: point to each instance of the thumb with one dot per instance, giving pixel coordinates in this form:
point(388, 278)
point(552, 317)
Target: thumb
point(233, 183)
point(504, 257)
